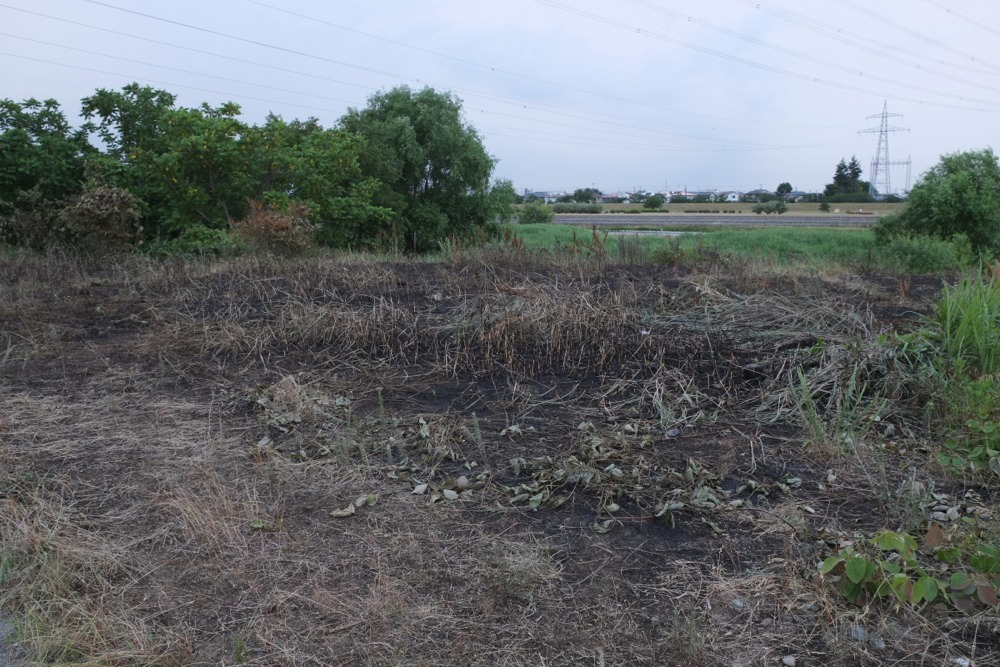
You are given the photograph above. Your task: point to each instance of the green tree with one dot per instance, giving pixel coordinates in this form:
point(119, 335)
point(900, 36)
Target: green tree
point(586, 195)
point(847, 185)
point(433, 168)
point(784, 189)
point(654, 202)
point(39, 151)
point(959, 195)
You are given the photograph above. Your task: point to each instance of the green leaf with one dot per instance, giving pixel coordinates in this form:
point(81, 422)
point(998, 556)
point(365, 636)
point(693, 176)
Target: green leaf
point(857, 569)
point(830, 563)
point(926, 588)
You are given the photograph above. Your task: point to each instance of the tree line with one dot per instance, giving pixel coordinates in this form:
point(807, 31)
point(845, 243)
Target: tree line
point(405, 170)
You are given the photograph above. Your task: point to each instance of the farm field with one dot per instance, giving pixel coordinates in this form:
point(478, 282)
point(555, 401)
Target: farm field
point(496, 458)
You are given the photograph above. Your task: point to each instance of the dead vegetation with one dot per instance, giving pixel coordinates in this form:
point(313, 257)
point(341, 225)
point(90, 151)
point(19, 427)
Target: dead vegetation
point(319, 461)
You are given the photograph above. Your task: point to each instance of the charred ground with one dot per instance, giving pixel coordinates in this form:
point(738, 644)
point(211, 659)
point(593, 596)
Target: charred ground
point(321, 461)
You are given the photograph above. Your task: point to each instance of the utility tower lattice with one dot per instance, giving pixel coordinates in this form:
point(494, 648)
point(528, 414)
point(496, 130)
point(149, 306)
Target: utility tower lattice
point(880, 184)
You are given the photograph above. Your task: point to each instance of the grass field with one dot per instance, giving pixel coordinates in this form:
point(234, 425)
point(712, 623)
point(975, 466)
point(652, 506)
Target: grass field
point(817, 248)
point(877, 208)
point(509, 455)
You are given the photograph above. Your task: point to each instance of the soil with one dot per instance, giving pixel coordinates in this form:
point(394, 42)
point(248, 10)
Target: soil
point(185, 436)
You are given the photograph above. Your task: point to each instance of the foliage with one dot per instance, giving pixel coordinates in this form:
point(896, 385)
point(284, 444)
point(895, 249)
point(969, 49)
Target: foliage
point(102, 217)
point(847, 185)
point(534, 213)
point(679, 199)
point(270, 229)
point(577, 208)
point(959, 195)
point(31, 220)
point(777, 206)
point(824, 206)
point(433, 168)
point(40, 152)
point(958, 353)
point(654, 202)
point(586, 195)
point(783, 189)
point(892, 564)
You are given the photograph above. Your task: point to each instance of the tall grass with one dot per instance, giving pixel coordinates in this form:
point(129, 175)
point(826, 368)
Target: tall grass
point(969, 319)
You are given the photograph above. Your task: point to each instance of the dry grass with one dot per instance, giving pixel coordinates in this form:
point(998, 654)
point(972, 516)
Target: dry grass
point(176, 434)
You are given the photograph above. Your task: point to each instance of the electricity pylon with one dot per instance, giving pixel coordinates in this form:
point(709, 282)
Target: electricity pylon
point(880, 184)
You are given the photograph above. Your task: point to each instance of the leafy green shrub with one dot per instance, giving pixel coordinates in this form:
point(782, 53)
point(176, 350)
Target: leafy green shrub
point(197, 240)
point(891, 564)
point(778, 207)
point(576, 208)
point(825, 207)
point(959, 195)
point(534, 213)
point(923, 254)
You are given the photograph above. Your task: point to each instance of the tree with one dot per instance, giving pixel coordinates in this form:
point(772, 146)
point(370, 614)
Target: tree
point(959, 195)
point(433, 169)
point(586, 195)
point(654, 202)
point(847, 185)
point(784, 189)
point(39, 151)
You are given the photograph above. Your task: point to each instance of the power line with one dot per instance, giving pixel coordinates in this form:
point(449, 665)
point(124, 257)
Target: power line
point(864, 43)
point(726, 56)
point(404, 78)
point(821, 61)
point(474, 93)
point(977, 22)
point(164, 83)
point(914, 33)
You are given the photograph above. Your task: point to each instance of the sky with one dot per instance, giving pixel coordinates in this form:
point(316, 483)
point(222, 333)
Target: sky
point(616, 94)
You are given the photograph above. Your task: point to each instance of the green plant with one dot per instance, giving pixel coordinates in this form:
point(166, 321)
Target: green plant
point(959, 195)
point(576, 208)
point(778, 207)
point(893, 564)
point(534, 213)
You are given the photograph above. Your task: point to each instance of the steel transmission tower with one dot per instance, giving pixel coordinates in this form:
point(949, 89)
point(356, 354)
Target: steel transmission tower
point(880, 184)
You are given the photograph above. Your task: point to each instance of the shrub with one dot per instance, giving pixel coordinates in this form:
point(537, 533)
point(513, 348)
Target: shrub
point(534, 213)
point(30, 222)
point(276, 230)
point(102, 217)
point(825, 207)
point(197, 240)
point(778, 207)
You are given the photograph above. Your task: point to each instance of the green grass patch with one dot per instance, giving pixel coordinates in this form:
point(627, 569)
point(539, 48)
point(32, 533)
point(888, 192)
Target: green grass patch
point(813, 247)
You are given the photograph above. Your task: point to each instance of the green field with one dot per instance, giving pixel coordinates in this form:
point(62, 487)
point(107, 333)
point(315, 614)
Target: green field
point(820, 248)
point(747, 208)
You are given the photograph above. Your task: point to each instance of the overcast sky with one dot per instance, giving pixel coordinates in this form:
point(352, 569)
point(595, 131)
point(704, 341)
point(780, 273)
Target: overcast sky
point(619, 94)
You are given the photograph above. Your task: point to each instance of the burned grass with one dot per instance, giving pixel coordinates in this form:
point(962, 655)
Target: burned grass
point(249, 461)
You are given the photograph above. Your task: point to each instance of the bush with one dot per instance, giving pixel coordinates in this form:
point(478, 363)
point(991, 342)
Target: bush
point(576, 208)
point(197, 240)
point(102, 217)
point(959, 195)
point(269, 229)
point(534, 213)
point(32, 221)
point(778, 207)
point(825, 207)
